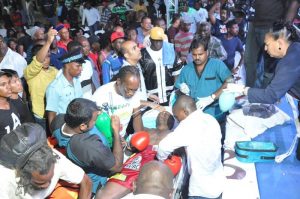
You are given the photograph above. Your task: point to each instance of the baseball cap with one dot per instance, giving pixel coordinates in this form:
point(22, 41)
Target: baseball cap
point(73, 56)
point(157, 33)
point(116, 35)
point(59, 27)
point(18, 146)
point(2, 73)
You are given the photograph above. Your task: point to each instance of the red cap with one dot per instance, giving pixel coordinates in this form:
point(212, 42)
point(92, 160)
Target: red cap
point(116, 35)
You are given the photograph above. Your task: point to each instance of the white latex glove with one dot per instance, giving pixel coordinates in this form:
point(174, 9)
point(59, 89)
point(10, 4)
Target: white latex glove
point(204, 102)
point(184, 89)
point(235, 88)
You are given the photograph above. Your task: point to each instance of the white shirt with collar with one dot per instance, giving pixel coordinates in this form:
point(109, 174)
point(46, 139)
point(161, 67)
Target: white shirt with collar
point(200, 134)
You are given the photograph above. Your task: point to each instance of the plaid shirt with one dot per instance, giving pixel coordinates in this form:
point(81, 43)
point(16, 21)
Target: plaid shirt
point(215, 49)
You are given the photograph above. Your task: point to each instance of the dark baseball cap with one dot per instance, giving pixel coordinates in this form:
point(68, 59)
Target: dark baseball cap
point(4, 73)
point(18, 146)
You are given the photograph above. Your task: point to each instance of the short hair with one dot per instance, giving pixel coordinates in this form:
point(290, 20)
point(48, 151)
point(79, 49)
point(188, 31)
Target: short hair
point(230, 23)
point(225, 7)
point(36, 48)
point(204, 24)
point(12, 40)
point(41, 162)
point(72, 45)
point(128, 71)
point(104, 40)
point(196, 43)
point(129, 29)
point(170, 122)
point(80, 111)
point(175, 18)
point(185, 102)
point(157, 20)
point(81, 39)
point(122, 51)
point(144, 18)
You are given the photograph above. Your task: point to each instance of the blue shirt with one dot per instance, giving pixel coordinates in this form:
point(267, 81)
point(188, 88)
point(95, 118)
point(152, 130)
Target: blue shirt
point(63, 141)
point(111, 67)
point(140, 35)
point(54, 58)
point(60, 93)
point(286, 79)
point(213, 76)
point(231, 46)
point(219, 29)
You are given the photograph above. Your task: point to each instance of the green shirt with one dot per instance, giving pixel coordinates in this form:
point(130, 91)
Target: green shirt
point(120, 10)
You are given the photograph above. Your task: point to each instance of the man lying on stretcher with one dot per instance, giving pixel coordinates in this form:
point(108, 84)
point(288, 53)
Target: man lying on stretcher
point(144, 143)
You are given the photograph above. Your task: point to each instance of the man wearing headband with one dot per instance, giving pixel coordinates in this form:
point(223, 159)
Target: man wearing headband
point(66, 85)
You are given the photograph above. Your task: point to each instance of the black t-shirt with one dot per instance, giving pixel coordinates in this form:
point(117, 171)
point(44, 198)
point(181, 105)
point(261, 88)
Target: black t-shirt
point(9, 120)
point(97, 158)
point(22, 108)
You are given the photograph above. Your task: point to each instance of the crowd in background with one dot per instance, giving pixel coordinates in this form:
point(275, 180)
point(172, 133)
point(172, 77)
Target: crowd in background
point(65, 62)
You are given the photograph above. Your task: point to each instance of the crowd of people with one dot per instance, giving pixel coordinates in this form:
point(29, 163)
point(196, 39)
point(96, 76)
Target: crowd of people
point(63, 72)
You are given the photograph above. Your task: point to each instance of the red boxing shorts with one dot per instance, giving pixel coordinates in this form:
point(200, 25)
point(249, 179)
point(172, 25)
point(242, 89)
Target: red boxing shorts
point(131, 168)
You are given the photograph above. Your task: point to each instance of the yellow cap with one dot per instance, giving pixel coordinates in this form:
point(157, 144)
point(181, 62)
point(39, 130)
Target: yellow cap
point(157, 33)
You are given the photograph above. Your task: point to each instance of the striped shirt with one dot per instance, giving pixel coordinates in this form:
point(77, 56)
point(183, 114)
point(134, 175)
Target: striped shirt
point(183, 42)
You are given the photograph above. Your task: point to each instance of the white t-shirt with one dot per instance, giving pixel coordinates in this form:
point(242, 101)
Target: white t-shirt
point(201, 15)
point(156, 56)
point(14, 61)
point(64, 169)
point(200, 134)
point(86, 76)
point(142, 90)
point(111, 102)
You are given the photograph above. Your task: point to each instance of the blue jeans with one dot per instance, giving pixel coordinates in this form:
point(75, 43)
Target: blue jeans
point(94, 28)
point(200, 197)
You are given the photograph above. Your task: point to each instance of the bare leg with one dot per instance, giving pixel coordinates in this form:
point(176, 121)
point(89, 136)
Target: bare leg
point(112, 190)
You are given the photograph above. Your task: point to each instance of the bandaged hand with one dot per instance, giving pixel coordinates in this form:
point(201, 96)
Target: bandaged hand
point(184, 89)
point(235, 88)
point(203, 102)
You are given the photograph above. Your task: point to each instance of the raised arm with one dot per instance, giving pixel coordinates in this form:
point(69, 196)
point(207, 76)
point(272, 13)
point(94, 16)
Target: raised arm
point(43, 52)
point(211, 13)
point(117, 146)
